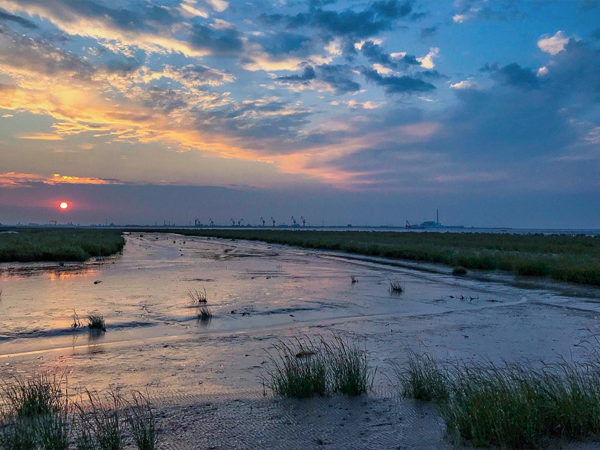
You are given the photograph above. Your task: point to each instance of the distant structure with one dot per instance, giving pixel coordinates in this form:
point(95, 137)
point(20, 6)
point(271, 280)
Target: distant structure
point(273, 220)
point(294, 223)
point(303, 221)
point(211, 222)
point(262, 219)
point(430, 224)
point(197, 222)
point(232, 222)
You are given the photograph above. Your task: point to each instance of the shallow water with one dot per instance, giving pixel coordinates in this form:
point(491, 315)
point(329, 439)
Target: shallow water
point(258, 293)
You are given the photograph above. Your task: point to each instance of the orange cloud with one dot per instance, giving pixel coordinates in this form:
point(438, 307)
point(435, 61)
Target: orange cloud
point(16, 179)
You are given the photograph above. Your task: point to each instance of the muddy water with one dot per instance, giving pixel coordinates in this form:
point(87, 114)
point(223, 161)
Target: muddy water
point(258, 293)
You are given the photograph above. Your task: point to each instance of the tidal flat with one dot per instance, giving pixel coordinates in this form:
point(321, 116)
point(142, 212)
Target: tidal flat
point(204, 376)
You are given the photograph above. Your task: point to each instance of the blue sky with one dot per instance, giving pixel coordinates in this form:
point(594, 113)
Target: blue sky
point(366, 111)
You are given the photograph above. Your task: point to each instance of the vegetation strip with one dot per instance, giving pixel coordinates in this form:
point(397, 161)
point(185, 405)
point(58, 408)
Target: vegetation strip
point(573, 259)
point(59, 245)
point(509, 405)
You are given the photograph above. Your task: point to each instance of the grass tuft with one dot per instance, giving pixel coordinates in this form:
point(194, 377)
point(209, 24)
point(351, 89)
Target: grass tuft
point(302, 368)
point(350, 372)
point(396, 287)
point(297, 369)
point(204, 314)
point(197, 297)
point(508, 405)
point(96, 323)
point(142, 422)
point(103, 420)
point(423, 378)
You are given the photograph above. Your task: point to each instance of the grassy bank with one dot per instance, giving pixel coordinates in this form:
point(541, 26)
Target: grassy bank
point(574, 259)
point(509, 405)
point(59, 245)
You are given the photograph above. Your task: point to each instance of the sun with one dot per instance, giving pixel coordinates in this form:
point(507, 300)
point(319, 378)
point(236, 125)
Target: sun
point(63, 205)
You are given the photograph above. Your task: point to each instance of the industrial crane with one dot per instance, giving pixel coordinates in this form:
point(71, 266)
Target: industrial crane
point(240, 222)
point(303, 221)
point(262, 219)
point(294, 221)
point(197, 222)
point(273, 220)
point(211, 222)
point(232, 222)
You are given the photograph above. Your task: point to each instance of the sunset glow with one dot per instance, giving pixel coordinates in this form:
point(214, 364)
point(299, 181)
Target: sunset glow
point(63, 205)
point(409, 103)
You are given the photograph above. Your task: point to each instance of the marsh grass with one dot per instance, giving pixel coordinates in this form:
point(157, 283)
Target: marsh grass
point(348, 365)
point(142, 422)
point(198, 297)
point(574, 259)
point(509, 405)
point(297, 369)
point(304, 367)
point(396, 287)
point(59, 245)
point(204, 314)
point(422, 378)
point(34, 413)
point(96, 323)
point(104, 420)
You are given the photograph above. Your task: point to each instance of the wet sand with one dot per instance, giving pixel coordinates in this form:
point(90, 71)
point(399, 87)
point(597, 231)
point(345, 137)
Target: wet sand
point(205, 377)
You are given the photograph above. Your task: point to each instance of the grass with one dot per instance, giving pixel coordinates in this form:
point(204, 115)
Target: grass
point(197, 297)
point(297, 369)
point(508, 405)
point(36, 414)
point(396, 287)
point(32, 245)
point(204, 314)
point(302, 368)
point(573, 259)
point(96, 323)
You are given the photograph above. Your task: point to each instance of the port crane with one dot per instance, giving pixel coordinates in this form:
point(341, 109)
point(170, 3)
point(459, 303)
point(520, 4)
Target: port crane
point(197, 222)
point(211, 222)
point(294, 221)
point(303, 221)
point(273, 220)
point(240, 222)
point(232, 222)
point(262, 219)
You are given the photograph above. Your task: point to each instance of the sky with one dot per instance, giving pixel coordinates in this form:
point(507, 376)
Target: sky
point(362, 112)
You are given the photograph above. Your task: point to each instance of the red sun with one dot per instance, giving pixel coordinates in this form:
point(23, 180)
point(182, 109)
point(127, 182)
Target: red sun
point(63, 206)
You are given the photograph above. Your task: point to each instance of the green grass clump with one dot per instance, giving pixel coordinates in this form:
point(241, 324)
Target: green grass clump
point(574, 259)
point(302, 368)
point(423, 378)
point(298, 368)
point(29, 245)
point(34, 414)
point(96, 323)
point(350, 371)
point(508, 405)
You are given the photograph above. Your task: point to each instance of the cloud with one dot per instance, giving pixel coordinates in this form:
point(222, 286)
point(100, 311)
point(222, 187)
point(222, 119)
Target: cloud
point(513, 75)
point(397, 84)
point(427, 60)
point(466, 10)
point(553, 44)
point(334, 77)
point(42, 137)
point(465, 84)
point(16, 180)
point(428, 32)
point(7, 17)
